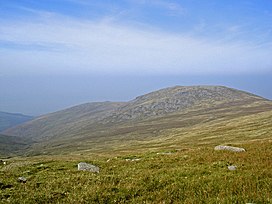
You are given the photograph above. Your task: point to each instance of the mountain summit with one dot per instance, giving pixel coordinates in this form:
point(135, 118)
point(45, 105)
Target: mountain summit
point(180, 98)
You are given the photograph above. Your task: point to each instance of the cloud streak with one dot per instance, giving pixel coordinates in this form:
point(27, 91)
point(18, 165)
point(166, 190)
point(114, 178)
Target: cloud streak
point(60, 44)
point(173, 8)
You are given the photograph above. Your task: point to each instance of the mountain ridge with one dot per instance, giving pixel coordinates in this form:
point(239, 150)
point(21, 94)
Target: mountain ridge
point(175, 98)
point(143, 118)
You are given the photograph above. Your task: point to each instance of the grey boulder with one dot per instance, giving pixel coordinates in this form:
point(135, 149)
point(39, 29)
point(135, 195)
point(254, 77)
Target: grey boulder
point(232, 168)
point(229, 148)
point(82, 166)
point(22, 179)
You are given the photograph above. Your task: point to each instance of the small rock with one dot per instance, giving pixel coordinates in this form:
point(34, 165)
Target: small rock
point(3, 162)
point(136, 159)
point(165, 153)
point(229, 148)
point(82, 166)
point(232, 168)
point(22, 179)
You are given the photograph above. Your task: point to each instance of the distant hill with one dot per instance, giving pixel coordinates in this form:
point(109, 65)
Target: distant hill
point(153, 117)
point(63, 122)
point(11, 145)
point(8, 120)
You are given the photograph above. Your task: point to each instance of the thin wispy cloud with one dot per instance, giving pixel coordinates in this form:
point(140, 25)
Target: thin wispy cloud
point(52, 42)
point(99, 46)
point(173, 8)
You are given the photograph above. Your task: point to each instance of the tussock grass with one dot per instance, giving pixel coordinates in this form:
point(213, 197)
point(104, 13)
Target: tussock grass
point(192, 175)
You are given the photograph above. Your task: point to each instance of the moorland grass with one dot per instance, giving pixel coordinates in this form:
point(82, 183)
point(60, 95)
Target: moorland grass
point(187, 175)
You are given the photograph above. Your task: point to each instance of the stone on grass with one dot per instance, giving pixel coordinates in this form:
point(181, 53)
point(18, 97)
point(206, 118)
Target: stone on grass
point(82, 166)
point(136, 159)
point(164, 153)
point(232, 168)
point(3, 162)
point(22, 179)
point(229, 148)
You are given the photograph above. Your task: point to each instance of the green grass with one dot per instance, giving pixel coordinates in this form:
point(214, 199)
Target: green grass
point(192, 175)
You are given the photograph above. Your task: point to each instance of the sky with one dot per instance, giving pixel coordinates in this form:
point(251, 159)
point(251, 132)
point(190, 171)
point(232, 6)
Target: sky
point(59, 53)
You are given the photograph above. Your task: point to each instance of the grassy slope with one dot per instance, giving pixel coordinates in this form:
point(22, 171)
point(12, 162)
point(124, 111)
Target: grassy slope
point(149, 118)
point(90, 120)
point(64, 122)
point(193, 173)
point(156, 132)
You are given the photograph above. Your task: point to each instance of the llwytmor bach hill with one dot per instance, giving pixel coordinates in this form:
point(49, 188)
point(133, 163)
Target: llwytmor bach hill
point(151, 121)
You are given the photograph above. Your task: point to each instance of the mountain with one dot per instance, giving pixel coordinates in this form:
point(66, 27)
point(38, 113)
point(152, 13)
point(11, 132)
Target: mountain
point(8, 120)
point(145, 120)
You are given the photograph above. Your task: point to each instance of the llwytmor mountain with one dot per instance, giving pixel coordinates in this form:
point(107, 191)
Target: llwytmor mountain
point(8, 120)
point(148, 121)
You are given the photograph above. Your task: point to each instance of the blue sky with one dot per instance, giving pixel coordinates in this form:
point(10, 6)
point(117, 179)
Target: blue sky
point(136, 39)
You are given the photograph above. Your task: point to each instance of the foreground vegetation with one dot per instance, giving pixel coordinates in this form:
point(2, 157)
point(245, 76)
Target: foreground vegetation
point(187, 175)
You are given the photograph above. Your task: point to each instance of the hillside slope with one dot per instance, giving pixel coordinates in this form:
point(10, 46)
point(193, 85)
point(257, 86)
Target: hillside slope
point(11, 145)
point(8, 120)
point(63, 122)
point(151, 117)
